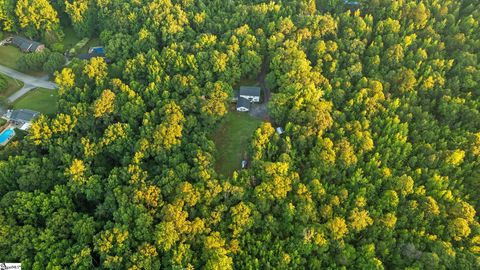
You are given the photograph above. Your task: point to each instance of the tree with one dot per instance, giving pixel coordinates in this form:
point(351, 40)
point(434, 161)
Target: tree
point(54, 63)
point(36, 17)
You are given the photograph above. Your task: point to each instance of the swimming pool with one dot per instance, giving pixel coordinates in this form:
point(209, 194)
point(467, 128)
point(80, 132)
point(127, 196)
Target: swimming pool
point(6, 135)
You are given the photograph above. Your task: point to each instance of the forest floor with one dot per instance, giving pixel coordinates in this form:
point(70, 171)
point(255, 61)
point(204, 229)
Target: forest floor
point(40, 100)
point(232, 139)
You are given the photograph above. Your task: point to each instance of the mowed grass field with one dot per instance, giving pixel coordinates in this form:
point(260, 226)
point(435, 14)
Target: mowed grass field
point(12, 87)
point(70, 38)
point(232, 139)
point(9, 56)
point(40, 100)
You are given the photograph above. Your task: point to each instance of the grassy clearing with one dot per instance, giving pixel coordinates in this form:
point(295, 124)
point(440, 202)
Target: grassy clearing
point(70, 38)
point(232, 139)
point(9, 56)
point(41, 100)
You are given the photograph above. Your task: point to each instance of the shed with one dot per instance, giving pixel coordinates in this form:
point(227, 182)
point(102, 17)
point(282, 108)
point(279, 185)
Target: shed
point(27, 45)
point(244, 164)
point(243, 104)
point(251, 93)
point(280, 130)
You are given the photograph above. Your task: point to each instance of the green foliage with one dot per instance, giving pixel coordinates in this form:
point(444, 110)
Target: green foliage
point(54, 62)
point(33, 61)
point(378, 166)
point(3, 83)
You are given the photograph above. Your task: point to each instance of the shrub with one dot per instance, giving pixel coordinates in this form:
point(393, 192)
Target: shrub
point(55, 62)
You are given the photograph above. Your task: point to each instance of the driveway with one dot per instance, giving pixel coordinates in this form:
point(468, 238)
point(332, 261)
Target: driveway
point(30, 82)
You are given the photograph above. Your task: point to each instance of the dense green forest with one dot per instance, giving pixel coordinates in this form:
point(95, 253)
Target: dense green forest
point(378, 168)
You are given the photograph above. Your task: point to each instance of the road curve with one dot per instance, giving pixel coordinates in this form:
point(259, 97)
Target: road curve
point(30, 82)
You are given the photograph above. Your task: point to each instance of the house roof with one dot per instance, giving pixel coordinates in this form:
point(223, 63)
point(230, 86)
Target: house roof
point(250, 91)
point(25, 44)
point(88, 56)
point(23, 115)
point(243, 102)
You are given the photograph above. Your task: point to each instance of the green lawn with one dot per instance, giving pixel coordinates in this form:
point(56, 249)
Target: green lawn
point(41, 100)
point(70, 38)
point(232, 139)
point(13, 86)
point(92, 43)
point(9, 56)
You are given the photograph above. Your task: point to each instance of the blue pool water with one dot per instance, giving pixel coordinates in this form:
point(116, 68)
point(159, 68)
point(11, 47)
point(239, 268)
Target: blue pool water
point(5, 135)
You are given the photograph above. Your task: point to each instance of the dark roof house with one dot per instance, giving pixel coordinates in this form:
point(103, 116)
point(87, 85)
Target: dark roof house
point(88, 56)
point(27, 45)
point(23, 115)
point(243, 104)
point(253, 91)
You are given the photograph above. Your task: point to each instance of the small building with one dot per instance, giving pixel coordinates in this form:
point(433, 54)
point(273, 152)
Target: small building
point(243, 104)
point(27, 45)
point(244, 164)
point(279, 130)
point(251, 93)
point(100, 50)
point(22, 118)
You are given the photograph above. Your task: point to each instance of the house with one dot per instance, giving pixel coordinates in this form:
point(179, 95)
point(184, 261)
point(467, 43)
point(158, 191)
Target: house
point(243, 104)
point(88, 56)
point(352, 5)
point(22, 118)
point(27, 45)
point(100, 50)
point(251, 93)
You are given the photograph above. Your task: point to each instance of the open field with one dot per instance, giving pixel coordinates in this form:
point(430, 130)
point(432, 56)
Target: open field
point(41, 100)
point(232, 139)
point(9, 56)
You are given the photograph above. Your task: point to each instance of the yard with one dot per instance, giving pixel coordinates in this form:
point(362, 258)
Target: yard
point(70, 38)
point(12, 87)
point(41, 100)
point(232, 139)
point(9, 56)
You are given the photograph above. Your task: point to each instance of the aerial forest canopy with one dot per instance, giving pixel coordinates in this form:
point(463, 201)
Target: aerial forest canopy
point(378, 167)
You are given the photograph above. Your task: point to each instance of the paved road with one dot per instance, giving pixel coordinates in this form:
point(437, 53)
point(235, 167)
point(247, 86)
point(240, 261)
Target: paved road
point(30, 82)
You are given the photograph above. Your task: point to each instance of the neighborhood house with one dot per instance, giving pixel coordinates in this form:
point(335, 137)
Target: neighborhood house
point(94, 52)
point(243, 104)
point(27, 45)
point(252, 93)
point(22, 118)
